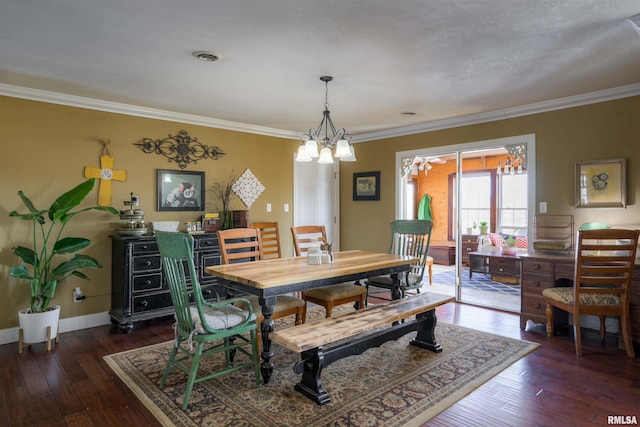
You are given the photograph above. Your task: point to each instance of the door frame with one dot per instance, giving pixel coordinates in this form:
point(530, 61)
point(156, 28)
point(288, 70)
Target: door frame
point(458, 149)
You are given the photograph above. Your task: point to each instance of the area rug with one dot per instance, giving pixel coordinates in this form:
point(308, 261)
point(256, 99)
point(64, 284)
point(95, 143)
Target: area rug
point(479, 281)
point(394, 385)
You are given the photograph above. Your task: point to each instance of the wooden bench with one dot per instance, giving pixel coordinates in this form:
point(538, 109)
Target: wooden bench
point(309, 339)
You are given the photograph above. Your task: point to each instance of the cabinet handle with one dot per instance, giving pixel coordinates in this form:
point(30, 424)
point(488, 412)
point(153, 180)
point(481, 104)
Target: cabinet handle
point(148, 282)
point(147, 263)
point(501, 270)
point(208, 292)
point(144, 303)
point(145, 247)
point(538, 305)
point(536, 266)
point(208, 243)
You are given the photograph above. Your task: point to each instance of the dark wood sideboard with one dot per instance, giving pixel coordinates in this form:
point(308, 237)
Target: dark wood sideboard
point(138, 288)
point(540, 271)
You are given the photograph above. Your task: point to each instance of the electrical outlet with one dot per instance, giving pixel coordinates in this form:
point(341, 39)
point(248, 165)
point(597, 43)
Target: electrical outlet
point(286, 207)
point(543, 207)
point(77, 295)
point(268, 207)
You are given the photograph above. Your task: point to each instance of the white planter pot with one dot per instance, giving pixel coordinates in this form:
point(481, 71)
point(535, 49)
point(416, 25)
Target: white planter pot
point(34, 325)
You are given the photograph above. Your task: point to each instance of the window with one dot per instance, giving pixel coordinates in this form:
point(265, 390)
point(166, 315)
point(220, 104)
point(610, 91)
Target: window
point(512, 204)
point(500, 200)
point(475, 200)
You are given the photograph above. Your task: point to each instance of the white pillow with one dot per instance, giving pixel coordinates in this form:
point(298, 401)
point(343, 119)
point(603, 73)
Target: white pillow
point(224, 317)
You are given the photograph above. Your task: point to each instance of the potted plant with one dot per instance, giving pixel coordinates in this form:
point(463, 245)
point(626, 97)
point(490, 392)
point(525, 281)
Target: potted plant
point(484, 227)
point(39, 269)
point(223, 191)
point(509, 245)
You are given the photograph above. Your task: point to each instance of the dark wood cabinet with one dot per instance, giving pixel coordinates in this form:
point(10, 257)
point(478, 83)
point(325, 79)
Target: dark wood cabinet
point(541, 271)
point(469, 244)
point(138, 288)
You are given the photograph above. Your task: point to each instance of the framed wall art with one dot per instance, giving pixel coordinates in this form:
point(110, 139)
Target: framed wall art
point(366, 186)
point(601, 184)
point(180, 190)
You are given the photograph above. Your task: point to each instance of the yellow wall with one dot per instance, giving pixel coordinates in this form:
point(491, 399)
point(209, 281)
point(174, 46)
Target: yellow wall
point(599, 131)
point(44, 150)
point(45, 147)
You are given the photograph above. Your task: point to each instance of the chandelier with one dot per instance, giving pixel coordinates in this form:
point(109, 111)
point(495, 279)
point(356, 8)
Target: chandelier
point(515, 162)
point(314, 139)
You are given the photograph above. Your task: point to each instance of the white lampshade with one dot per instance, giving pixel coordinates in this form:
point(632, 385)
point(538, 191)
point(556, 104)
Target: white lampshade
point(342, 149)
point(325, 156)
point(312, 148)
point(302, 155)
point(351, 157)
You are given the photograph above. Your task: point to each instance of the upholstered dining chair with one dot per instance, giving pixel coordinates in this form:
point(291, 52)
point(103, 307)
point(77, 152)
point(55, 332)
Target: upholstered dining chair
point(244, 245)
point(604, 264)
point(409, 237)
point(219, 327)
point(327, 296)
point(270, 237)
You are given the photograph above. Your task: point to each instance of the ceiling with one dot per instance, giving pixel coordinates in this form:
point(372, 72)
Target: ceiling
point(443, 60)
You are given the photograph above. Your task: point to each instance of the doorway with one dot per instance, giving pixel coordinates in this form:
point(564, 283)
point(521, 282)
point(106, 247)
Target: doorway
point(466, 190)
point(316, 197)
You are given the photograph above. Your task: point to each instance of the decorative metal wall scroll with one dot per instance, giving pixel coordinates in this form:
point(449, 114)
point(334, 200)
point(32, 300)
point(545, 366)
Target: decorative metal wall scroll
point(181, 148)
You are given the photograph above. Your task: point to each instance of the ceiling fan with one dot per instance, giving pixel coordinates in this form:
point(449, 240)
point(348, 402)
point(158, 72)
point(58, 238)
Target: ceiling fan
point(419, 163)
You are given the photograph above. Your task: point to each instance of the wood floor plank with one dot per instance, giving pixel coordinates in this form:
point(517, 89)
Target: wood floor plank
point(548, 387)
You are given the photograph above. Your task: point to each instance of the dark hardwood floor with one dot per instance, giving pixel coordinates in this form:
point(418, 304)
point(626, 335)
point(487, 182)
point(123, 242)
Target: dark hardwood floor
point(73, 386)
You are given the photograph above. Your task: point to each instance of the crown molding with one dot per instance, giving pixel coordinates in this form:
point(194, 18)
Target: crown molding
point(524, 110)
point(132, 110)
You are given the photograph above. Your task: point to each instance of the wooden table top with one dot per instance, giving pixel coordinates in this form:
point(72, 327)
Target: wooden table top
point(280, 272)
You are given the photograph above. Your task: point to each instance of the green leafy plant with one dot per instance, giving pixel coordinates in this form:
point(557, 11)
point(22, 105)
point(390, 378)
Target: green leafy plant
point(48, 225)
point(510, 240)
point(483, 223)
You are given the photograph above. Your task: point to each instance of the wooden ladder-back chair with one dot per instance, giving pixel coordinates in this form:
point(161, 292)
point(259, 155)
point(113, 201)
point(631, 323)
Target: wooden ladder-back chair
point(211, 327)
point(244, 245)
point(270, 237)
point(327, 296)
point(604, 264)
point(409, 237)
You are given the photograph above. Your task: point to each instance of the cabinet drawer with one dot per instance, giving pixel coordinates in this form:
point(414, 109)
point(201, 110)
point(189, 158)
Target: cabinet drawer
point(207, 243)
point(537, 267)
point(503, 266)
point(533, 304)
point(535, 283)
point(148, 282)
point(145, 247)
point(209, 293)
point(151, 302)
point(146, 263)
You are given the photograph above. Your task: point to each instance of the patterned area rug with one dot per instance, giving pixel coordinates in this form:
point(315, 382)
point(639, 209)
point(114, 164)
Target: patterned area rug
point(479, 281)
point(393, 385)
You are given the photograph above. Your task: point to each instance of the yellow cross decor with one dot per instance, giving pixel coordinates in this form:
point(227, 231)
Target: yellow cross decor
point(106, 174)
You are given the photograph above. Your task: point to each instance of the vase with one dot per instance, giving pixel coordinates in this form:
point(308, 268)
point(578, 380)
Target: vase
point(226, 220)
point(484, 229)
point(34, 325)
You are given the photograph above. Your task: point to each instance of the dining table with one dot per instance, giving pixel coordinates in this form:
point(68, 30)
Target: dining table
point(269, 278)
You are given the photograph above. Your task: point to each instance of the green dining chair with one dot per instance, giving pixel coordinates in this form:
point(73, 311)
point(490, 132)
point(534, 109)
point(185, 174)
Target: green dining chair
point(212, 328)
point(410, 237)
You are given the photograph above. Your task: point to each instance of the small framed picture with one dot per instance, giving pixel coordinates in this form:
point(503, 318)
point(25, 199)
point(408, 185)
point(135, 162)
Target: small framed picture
point(366, 186)
point(601, 184)
point(180, 190)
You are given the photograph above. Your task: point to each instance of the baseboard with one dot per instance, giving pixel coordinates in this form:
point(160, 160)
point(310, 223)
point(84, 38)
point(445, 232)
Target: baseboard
point(69, 324)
